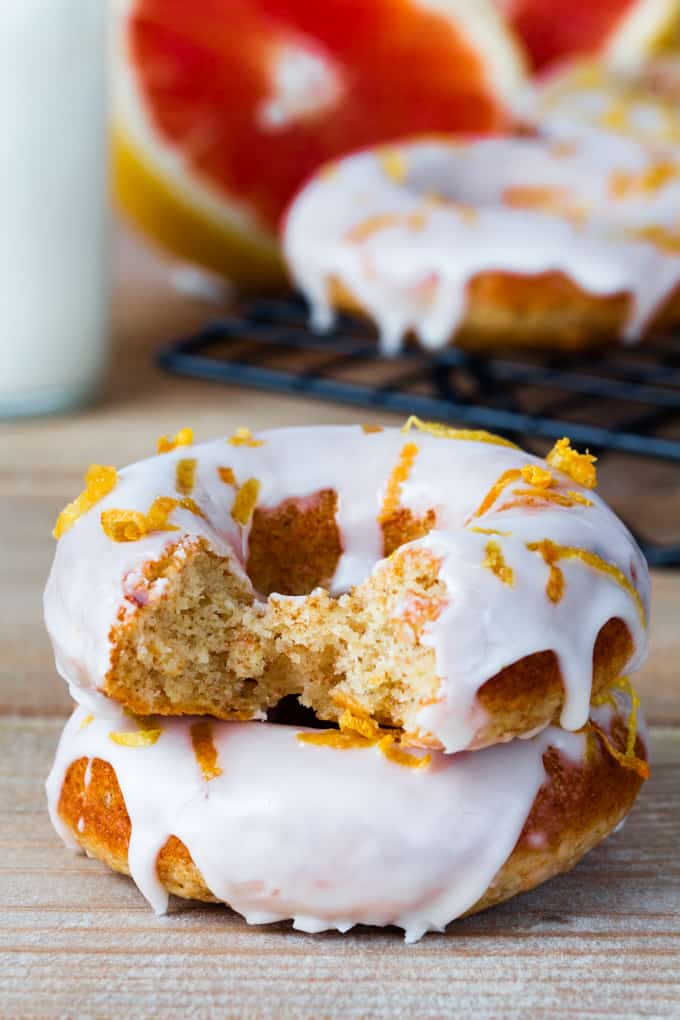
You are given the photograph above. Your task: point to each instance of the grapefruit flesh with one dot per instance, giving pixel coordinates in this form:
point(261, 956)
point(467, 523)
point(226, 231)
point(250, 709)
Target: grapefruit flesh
point(624, 32)
point(254, 95)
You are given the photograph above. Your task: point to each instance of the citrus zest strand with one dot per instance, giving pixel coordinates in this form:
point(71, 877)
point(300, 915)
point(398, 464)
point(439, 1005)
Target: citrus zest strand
point(495, 562)
point(400, 474)
point(205, 750)
point(245, 502)
point(184, 437)
point(551, 553)
point(357, 731)
point(100, 480)
point(435, 428)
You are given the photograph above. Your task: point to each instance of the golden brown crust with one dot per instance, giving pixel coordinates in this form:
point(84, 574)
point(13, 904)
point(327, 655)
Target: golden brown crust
point(294, 547)
point(575, 809)
point(546, 311)
point(524, 696)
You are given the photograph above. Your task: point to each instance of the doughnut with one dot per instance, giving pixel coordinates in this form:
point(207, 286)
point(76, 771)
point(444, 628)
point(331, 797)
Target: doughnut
point(585, 101)
point(278, 824)
point(438, 583)
point(540, 242)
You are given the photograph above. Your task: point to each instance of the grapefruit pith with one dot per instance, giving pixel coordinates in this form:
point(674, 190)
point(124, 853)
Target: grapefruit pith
point(224, 107)
point(624, 32)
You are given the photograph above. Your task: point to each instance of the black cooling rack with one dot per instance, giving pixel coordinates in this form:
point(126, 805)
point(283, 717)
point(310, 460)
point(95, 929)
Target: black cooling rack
point(619, 399)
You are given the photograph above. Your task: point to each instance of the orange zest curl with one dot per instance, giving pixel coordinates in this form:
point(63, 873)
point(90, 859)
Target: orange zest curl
point(536, 476)
point(184, 437)
point(491, 531)
point(100, 480)
point(664, 240)
point(244, 437)
point(205, 750)
point(507, 478)
point(185, 475)
point(495, 562)
point(135, 738)
point(394, 753)
point(554, 589)
point(400, 474)
point(551, 553)
point(227, 475)
point(579, 466)
point(370, 429)
point(86, 722)
point(131, 525)
point(245, 501)
point(335, 739)
point(543, 494)
point(435, 428)
point(357, 731)
point(628, 759)
point(623, 184)
point(363, 725)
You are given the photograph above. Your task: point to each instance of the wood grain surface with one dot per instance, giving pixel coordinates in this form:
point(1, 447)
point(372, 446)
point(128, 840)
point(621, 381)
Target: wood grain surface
point(77, 941)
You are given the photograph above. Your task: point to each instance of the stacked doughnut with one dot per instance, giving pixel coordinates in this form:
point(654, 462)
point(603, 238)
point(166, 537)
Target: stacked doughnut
point(455, 616)
point(563, 237)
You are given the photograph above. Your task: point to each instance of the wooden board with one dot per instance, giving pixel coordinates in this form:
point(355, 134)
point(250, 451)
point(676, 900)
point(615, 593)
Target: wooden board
point(76, 940)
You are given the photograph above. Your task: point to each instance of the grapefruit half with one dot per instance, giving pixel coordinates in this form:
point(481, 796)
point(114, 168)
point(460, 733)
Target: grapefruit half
point(624, 32)
point(223, 107)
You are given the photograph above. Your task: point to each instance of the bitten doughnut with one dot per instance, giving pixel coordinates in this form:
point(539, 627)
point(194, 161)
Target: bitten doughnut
point(503, 241)
point(278, 824)
point(440, 583)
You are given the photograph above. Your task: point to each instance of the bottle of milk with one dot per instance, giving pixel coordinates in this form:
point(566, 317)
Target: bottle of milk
point(54, 261)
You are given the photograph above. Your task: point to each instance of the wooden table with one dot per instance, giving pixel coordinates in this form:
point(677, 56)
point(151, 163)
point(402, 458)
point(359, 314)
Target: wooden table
point(79, 941)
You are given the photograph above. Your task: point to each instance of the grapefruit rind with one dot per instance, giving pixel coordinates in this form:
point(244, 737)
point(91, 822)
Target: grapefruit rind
point(651, 27)
point(191, 217)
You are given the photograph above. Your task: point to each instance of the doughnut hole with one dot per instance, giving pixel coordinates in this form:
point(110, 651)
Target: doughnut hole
point(211, 645)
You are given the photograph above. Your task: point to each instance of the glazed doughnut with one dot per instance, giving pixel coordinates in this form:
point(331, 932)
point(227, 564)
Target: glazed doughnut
point(440, 583)
point(536, 242)
point(585, 102)
point(277, 825)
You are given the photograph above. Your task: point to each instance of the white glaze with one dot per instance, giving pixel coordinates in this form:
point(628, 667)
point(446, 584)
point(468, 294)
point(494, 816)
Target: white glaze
point(584, 102)
point(414, 276)
point(486, 624)
point(328, 838)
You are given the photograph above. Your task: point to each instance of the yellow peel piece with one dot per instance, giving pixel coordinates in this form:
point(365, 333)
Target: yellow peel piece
point(538, 477)
point(334, 738)
point(400, 474)
point(435, 428)
point(579, 466)
point(100, 480)
point(131, 525)
point(184, 437)
point(227, 475)
point(135, 738)
point(395, 754)
point(185, 475)
point(244, 437)
point(495, 562)
point(507, 478)
point(205, 750)
point(552, 552)
point(245, 501)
